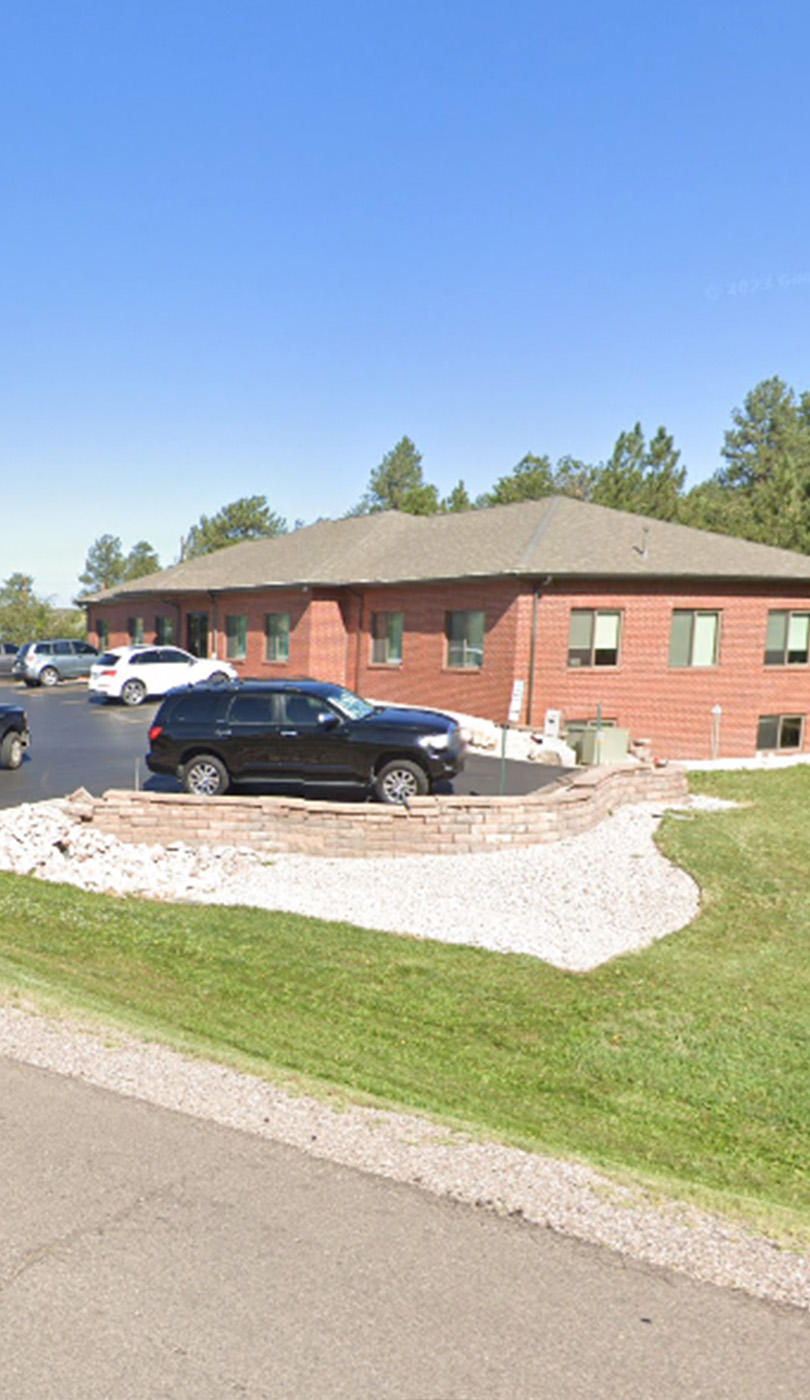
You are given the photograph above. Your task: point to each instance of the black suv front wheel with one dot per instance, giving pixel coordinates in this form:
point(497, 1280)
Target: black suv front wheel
point(400, 780)
point(12, 749)
point(205, 776)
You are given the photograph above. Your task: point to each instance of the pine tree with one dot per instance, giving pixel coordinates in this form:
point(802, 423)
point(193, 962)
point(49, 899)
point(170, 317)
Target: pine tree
point(398, 484)
point(249, 518)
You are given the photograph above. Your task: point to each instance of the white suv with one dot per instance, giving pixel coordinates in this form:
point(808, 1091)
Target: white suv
point(133, 673)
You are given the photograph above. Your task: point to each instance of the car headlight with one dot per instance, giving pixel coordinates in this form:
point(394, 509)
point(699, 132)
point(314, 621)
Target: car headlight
point(434, 741)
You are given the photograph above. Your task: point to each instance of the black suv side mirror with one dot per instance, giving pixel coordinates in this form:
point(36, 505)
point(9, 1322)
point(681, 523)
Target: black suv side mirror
point(327, 719)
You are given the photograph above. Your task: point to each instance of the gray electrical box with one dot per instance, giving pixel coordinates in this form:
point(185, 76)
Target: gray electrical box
point(606, 745)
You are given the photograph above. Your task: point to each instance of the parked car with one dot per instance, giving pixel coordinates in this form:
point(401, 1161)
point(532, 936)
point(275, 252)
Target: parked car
point(48, 662)
point(134, 673)
point(8, 651)
point(301, 731)
point(14, 735)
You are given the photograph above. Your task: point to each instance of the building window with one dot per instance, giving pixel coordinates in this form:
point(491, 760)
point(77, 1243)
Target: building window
point(593, 637)
point(236, 636)
point(386, 638)
point(135, 630)
point(197, 633)
point(164, 631)
point(786, 641)
point(465, 639)
point(693, 639)
point(780, 732)
point(103, 633)
point(277, 636)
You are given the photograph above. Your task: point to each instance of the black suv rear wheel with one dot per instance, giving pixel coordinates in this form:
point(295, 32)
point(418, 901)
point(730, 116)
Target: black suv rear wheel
point(205, 776)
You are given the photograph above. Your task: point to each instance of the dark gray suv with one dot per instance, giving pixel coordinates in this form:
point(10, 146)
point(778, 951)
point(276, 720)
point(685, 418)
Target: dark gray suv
point(47, 663)
point(300, 731)
point(8, 653)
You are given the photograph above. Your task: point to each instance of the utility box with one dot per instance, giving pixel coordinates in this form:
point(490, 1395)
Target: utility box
point(606, 745)
point(552, 725)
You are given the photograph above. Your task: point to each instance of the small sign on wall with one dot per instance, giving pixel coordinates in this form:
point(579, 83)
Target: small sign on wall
point(516, 703)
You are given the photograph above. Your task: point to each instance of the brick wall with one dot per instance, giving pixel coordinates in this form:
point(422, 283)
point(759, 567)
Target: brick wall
point(430, 826)
point(424, 676)
point(671, 707)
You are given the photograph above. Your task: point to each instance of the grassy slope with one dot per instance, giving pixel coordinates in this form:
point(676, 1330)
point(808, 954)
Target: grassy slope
point(687, 1063)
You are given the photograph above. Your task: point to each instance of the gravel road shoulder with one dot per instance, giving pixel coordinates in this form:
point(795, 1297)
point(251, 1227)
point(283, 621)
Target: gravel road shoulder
point(559, 1195)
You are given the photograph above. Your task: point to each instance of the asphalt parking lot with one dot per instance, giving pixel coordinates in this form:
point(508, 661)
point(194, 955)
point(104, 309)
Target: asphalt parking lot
point(79, 741)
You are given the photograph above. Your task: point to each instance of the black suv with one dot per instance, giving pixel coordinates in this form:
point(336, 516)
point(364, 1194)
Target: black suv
point(300, 731)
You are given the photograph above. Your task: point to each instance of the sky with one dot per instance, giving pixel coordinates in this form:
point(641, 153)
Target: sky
point(247, 245)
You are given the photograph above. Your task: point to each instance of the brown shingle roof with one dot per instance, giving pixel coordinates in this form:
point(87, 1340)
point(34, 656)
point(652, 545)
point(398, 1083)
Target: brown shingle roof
point(557, 536)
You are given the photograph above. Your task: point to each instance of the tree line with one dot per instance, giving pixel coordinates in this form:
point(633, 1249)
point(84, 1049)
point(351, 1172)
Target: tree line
point(760, 492)
point(24, 616)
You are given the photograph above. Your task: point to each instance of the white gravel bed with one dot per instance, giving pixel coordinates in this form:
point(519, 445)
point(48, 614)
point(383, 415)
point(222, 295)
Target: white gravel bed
point(574, 904)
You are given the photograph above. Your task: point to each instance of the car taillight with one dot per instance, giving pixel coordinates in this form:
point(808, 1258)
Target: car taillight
point(110, 671)
point(155, 732)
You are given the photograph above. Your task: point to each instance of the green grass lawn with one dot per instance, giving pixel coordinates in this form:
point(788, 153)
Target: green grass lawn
point(686, 1066)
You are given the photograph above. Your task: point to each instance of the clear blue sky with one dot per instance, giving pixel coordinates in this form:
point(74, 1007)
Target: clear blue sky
point(249, 244)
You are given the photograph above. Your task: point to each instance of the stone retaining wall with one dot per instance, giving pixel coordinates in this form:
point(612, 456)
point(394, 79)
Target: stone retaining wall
point(428, 826)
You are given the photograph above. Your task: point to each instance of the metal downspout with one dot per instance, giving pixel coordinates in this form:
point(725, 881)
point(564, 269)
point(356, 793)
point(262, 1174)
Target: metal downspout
point(538, 593)
point(361, 599)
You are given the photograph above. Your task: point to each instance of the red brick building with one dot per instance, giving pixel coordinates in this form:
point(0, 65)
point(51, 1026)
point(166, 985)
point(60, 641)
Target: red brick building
point(697, 642)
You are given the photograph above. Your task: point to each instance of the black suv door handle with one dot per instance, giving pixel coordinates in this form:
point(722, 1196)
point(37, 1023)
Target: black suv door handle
point(289, 733)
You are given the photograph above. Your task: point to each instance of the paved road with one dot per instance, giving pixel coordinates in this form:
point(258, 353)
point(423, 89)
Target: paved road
point(144, 1254)
point(81, 742)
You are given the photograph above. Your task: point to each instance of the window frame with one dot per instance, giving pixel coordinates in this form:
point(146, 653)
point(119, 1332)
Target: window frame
point(164, 630)
point(387, 635)
point(135, 631)
point(469, 648)
point(780, 655)
point(694, 615)
point(198, 634)
point(594, 615)
point(279, 636)
point(780, 721)
point(236, 636)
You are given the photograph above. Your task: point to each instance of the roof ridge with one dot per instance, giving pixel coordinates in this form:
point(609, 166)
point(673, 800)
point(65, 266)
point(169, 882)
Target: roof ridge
point(539, 530)
point(554, 534)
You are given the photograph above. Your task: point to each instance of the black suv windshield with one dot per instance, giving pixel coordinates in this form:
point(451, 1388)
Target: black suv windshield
point(351, 705)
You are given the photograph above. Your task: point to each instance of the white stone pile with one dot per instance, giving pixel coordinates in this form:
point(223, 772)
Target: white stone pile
point(45, 841)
